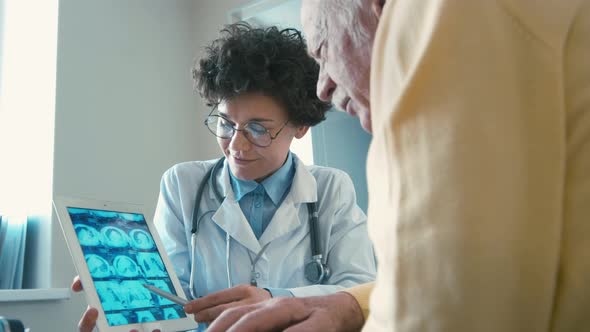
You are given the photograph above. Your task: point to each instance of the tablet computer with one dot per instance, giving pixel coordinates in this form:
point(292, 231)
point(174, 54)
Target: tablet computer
point(116, 250)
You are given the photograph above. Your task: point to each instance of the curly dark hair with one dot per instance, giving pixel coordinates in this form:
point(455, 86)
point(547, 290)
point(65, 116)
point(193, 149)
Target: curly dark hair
point(267, 61)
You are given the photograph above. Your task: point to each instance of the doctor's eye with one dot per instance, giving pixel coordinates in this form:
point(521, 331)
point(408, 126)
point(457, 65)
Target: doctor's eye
point(256, 129)
point(220, 126)
point(225, 124)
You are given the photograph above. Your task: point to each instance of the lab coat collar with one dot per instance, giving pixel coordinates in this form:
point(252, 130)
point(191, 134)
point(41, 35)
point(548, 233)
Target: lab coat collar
point(229, 216)
point(304, 187)
point(278, 183)
point(286, 218)
point(274, 186)
point(231, 219)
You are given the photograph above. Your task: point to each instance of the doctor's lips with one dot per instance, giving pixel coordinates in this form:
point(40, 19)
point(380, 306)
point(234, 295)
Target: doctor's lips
point(241, 161)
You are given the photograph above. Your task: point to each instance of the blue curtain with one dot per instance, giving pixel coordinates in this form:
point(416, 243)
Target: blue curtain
point(13, 231)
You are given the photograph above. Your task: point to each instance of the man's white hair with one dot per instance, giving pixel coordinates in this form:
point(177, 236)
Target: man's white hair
point(349, 11)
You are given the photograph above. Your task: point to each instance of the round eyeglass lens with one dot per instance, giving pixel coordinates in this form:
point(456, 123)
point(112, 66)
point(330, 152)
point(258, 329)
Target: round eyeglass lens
point(257, 134)
point(219, 127)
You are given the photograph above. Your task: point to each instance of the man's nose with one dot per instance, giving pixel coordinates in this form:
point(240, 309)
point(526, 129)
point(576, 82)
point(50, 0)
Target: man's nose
point(325, 86)
point(239, 142)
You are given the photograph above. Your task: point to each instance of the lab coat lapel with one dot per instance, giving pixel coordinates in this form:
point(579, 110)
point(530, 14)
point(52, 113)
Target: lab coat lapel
point(229, 216)
point(286, 218)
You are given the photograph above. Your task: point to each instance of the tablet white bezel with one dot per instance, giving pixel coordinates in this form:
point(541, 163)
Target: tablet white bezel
point(61, 204)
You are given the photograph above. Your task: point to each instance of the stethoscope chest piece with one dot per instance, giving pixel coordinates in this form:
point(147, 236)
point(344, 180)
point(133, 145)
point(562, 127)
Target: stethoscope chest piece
point(316, 271)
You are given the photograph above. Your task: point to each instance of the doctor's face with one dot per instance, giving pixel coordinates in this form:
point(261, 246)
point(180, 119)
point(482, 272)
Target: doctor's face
point(341, 41)
point(246, 160)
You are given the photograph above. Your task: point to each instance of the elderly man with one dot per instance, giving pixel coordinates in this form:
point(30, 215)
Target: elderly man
point(479, 170)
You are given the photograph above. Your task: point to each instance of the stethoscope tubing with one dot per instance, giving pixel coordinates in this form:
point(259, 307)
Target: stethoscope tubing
point(196, 221)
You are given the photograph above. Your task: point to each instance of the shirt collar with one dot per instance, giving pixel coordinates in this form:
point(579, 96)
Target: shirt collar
point(275, 185)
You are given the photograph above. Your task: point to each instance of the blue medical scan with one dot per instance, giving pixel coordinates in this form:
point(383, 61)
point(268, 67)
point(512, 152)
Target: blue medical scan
point(151, 264)
point(140, 239)
point(98, 266)
point(121, 256)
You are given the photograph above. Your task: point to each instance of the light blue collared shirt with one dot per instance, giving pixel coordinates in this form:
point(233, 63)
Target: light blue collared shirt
point(260, 201)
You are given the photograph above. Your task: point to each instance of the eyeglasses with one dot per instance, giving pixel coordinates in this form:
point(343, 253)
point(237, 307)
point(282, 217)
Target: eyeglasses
point(254, 132)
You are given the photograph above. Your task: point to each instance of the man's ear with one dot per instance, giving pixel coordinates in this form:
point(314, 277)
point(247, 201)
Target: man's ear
point(377, 7)
point(301, 131)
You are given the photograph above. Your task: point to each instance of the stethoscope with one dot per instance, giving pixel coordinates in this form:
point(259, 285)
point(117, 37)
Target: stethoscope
point(316, 271)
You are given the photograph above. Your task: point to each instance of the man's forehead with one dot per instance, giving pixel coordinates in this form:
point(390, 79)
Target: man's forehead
point(309, 10)
point(311, 20)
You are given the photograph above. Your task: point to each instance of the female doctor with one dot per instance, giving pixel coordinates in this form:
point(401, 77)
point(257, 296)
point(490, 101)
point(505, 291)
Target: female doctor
point(259, 223)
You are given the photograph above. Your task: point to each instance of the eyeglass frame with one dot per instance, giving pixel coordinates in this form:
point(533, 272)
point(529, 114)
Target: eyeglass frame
point(272, 138)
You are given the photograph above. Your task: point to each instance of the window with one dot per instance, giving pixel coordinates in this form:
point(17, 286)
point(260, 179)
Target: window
point(28, 47)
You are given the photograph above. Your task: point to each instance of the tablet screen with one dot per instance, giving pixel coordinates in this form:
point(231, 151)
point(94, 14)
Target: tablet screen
point(121, 256)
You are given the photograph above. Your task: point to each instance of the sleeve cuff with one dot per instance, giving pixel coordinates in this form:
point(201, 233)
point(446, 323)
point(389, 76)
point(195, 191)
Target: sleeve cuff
point(361, 294)
point(279, 292)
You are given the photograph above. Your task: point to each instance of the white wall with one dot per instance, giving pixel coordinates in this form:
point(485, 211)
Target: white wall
point(125, 112)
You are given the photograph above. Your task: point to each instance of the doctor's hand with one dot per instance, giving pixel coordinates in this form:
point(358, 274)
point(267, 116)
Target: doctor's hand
point(331, 313)
point(208, 308)
point(88, 321)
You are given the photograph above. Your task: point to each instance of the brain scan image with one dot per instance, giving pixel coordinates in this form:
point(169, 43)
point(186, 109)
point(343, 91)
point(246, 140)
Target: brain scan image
point(114, 237)
point(152, 264)
point(126, 267)
point(140, 239)
point(145, 316)
point(161, 284)
point(87, 235)
point(110, 295)
point(116, 319)
point(121, 256)
point(137, 295)
point(98, 266)
point(170, 313)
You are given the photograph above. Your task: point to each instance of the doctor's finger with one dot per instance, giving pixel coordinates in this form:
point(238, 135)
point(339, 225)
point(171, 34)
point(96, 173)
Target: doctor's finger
point(77, 284)
point(88, 321)
point(210, 314)
point(229, 295)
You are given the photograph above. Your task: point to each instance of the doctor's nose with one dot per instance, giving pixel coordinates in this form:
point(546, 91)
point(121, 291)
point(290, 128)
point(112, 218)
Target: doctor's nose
point(239, 142)
point(325, 86)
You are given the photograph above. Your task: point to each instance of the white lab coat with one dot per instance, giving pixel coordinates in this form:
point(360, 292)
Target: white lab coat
point(343, 232)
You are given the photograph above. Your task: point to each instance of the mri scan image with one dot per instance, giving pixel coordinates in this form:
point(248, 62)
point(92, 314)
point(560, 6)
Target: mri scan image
point(137, 295)
point(87, 235)
point(126, 267)
point(145, 316)
point(121, 256)
point(110, 295)
point(116, 319)
point(152, 264)
point(161, 284)
point(98, 266)
point(114, 237)
point(170, 313)
point(140, 239)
